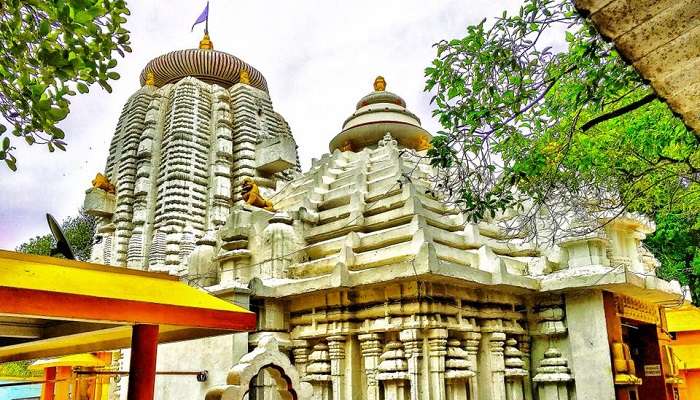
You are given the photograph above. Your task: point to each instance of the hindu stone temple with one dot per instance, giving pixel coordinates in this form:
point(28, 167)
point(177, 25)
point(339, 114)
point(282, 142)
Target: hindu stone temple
point(366, 285)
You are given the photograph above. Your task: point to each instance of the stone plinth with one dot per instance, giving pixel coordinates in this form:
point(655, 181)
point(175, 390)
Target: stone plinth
point(99, 203)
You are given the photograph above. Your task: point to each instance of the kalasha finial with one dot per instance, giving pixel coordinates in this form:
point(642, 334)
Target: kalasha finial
point(150, 78)
point(379, 84)
point(206, 43)
point(244, 77)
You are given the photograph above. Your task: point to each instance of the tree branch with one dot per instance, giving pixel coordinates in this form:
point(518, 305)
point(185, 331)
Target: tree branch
point(620, 111)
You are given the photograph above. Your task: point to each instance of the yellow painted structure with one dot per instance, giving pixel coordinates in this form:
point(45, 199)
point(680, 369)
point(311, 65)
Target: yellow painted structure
point(684, 322)
point(71, 386)
point(54, 307)
point(67, 276)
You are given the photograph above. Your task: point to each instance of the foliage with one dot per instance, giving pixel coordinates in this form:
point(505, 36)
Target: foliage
point(79, 232)
point(676, 243)
point(527, 126)
point(569, 137)
point(50, 49)
point(19, 369)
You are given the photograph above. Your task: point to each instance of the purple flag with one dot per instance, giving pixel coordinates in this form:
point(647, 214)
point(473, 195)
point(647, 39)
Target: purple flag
point(204, 16)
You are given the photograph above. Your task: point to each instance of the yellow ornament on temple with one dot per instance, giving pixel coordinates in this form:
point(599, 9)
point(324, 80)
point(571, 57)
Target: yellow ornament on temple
point(150, 79)
point(251, 195)
point(206, 43)
point(101, 182)
point(244, 77)
point(347, 146)
point(379, 84)
point(624, 370)
point(423, 143)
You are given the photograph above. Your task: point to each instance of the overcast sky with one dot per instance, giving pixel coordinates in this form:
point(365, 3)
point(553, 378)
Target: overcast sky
point(319, 57)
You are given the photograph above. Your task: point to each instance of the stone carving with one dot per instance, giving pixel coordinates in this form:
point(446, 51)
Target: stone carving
point(177, 158)
point(393, 372)
point(553, 376)
point(268, 357)
point(629, 307)
point(625, 372)
point(251, 195)
point(101, 182)
point(318, 371)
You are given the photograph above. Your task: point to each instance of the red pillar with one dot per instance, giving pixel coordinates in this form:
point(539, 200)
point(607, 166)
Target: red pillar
point(48, 387)
point(142, 370)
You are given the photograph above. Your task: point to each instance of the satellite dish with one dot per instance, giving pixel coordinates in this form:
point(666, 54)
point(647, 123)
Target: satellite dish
point(62, 245)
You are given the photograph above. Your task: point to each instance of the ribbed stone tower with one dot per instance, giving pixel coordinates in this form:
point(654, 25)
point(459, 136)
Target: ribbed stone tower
point(201, 123)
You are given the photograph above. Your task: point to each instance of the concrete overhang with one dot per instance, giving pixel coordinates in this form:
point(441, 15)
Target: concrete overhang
point(661, 39)
point(617, 280)
point(442, 272)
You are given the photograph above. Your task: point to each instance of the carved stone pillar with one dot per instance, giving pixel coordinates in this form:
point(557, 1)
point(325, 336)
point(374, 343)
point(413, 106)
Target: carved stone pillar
point(437, 349)
point(553, 376)
point(336, 351)
point(458, 371)
point(371, 348)
point(492, 374)
point(471, 344)
point(496, 343)
point(393, 372)
point(525, 349)
point(318, 372)
point(515, 372)
point(300, 350)
point(413, 347)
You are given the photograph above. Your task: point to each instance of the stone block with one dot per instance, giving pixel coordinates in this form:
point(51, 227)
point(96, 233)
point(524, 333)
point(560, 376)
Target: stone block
point(99, 203)
point(276, 155)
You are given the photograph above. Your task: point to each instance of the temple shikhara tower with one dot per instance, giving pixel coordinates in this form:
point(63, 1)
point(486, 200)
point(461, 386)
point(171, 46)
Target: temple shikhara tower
point(366, 284)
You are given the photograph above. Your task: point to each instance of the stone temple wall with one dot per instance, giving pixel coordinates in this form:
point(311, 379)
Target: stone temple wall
point(177, 158)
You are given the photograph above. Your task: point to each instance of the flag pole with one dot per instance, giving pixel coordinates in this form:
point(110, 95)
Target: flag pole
point(206, 22)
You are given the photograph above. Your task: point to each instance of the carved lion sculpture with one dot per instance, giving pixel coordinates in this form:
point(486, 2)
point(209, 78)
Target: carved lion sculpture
point(252, 196)
point(101, 182)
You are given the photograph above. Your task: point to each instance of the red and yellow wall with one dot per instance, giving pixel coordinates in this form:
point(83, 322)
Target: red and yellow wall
point(684, 325)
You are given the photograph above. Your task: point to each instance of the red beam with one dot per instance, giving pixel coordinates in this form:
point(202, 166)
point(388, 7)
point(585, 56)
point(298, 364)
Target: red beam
point(94, 309)
point(48, 387)
point(142, 368)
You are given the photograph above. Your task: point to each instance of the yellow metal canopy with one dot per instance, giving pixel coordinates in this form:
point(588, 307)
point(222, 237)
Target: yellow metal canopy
point(683, 319)
point(51, 307)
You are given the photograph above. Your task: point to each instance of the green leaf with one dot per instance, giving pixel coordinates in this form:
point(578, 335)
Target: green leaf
point(83, 88)
point(11, 164)
point(58, 114)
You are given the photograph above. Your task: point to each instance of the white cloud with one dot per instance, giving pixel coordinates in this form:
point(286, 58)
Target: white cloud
point(319, 58)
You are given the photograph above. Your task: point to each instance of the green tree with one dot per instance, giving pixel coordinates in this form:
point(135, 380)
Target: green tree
point(570, 136)
point(79, 231)
point(49, 49)
point(676, 244)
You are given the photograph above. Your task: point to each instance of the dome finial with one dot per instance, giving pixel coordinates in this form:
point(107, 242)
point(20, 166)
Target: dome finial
point(206, 43)
point(379, 84)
